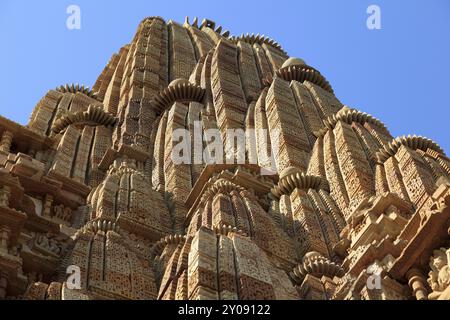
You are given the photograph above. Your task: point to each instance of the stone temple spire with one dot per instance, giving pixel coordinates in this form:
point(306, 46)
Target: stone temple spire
point(95, 205)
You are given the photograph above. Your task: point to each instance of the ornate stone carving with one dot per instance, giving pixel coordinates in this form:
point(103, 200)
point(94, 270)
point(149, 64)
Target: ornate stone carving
point(101, 225)
point(439, 276)
point(48, 244)
point(62, 213)
point(90, 182)
point(317, 265)
point(413, 142)
point(301, 73)
point(292, 178)
point(6, 140)
point(179, 90)
point(348, 116)
point(94, 116)
point(159, 246)
point(259, 39)
point(74, 88)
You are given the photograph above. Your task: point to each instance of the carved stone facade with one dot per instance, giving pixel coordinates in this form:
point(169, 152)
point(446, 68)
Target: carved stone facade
point(350, 213)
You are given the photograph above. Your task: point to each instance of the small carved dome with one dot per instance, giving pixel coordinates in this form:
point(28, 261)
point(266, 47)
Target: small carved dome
point(292, 178)
point(311, 257)
point(297, 70)
point(317, 265)
point(293, 62)
point(179, 90)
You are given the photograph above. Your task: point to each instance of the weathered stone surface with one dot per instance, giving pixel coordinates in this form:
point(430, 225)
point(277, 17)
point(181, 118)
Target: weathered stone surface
point(91, 185)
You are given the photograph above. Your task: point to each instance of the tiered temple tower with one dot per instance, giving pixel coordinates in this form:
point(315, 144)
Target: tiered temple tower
point(350, 213)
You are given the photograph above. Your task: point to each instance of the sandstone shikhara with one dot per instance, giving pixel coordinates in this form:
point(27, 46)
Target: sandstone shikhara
point(351, 213)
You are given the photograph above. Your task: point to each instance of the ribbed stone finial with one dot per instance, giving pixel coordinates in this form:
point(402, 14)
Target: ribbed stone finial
point(293, 62)
point(177, 82)
point(289, 171)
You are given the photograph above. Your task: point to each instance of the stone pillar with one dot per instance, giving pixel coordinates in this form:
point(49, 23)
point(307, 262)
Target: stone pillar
point(417, 282)
point(5, 142)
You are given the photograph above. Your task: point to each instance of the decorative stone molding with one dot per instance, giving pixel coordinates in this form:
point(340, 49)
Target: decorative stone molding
point(93, 116)
point(412, 142)
point(179, 90)
point(348, 116)
point(379, 216)
point(243, 177)
point(159, 246)
point(432, 221)
point(225, 230)
point(259, 39)
point(125, 165)
point(292, 179)
point(76, 88)
point(63, 213)
point(98, 225)
point(6, 141)
point(317, 265)
point(301, 73)
point(220, 186)
point(75, 190)
point(206, 23)
point(439, 276)
point(47, 244)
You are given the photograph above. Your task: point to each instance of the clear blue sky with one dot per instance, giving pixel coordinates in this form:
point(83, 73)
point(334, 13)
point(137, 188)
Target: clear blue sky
point(400, 74)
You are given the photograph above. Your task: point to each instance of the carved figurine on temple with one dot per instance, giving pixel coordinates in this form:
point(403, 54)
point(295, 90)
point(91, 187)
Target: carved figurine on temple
point(439, 276)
